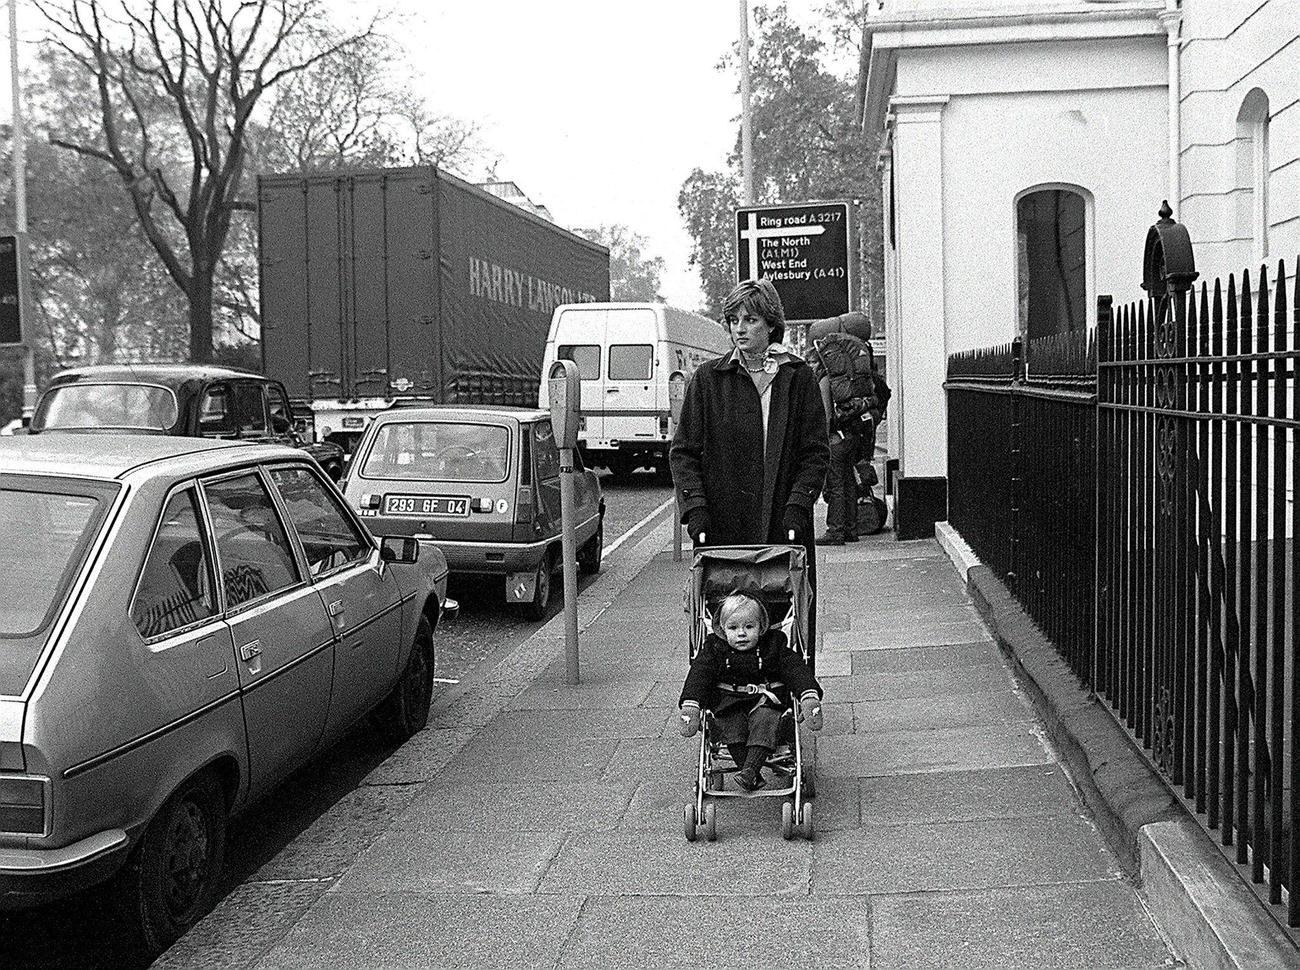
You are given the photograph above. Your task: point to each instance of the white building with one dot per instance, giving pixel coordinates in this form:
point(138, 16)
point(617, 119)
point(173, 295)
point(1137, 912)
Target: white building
point(1027, 148)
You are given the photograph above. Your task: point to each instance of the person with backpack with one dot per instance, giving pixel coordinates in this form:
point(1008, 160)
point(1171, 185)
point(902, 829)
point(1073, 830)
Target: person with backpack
point(843, 362)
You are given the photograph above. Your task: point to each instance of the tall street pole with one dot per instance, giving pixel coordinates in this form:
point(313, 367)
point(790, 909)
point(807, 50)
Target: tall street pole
point(20, 220)
point(746, 127)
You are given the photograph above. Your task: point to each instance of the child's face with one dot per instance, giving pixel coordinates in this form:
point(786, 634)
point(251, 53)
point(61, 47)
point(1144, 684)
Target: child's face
point(741, 630)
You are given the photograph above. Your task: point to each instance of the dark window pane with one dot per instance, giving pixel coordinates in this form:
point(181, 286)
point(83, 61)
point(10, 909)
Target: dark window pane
point(215, 418)
point(256, 558)
point(250, 409)
point(281, 413)
point(630, 362)
point(545, 453)
point(328, 536)
point(1052, 262)
point(176, 584)
point(586, 356)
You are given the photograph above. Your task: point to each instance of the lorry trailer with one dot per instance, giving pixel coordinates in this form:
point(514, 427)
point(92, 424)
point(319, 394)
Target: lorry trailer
point(392, 285)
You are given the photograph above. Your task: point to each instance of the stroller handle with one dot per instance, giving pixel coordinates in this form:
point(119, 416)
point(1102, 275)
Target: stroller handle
point(703, 540)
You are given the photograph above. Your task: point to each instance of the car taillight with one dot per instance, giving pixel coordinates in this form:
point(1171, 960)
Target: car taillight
point(524, 505)
point(663, 425)
point(22, 805)
point(370, 500)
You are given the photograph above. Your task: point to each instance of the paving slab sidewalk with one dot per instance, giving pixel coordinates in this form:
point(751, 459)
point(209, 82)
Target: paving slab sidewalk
point(536, 824)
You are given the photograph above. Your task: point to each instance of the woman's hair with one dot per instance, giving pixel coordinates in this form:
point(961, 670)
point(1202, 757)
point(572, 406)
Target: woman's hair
point(744, 604)
point(760, 297)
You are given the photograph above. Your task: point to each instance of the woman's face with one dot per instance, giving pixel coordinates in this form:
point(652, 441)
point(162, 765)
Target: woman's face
point(750, 332)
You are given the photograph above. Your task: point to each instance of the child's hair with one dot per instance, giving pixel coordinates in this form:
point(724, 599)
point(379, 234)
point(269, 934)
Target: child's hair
point(744, 603)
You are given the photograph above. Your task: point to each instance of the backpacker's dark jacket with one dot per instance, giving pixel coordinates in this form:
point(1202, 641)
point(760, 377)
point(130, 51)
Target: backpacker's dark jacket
point(717, 452)
point(769, 662)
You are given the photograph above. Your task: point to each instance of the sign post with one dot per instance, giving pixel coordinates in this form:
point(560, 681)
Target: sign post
point(565, 387)
point(676, 396)
point(806, 250)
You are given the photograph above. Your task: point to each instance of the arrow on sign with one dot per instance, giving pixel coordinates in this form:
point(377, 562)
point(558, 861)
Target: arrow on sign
point(752, 234)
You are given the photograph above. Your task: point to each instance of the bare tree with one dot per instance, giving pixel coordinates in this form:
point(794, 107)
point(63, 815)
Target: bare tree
point(178, 83)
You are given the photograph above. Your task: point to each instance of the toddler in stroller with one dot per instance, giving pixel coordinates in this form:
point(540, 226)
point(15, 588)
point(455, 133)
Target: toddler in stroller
point(743, 683)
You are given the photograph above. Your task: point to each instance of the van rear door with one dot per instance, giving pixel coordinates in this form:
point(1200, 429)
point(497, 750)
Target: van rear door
point(580, 337)
point(631, 337)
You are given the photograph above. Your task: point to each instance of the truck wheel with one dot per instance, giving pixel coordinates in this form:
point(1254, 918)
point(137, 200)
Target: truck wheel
point(171, 879)
point(541, 602)
point(590, 554)
point(405, 711)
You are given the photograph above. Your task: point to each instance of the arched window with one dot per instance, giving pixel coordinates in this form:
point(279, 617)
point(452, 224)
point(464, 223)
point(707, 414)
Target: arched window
point(1252, 171)
point(1052, 261)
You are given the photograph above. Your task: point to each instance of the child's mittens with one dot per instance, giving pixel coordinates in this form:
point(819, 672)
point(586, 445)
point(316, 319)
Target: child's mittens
point(690, 719)
point(810, 705)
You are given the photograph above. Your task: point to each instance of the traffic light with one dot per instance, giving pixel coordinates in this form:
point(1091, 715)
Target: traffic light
point(11, 330)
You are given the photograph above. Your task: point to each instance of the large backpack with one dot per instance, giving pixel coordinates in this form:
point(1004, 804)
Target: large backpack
point(849, 364)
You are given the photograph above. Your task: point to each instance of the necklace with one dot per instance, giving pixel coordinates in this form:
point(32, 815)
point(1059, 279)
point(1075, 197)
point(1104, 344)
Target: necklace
point(745, 361)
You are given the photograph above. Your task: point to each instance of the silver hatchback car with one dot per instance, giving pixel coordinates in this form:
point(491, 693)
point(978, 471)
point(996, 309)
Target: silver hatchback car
point(182, 624)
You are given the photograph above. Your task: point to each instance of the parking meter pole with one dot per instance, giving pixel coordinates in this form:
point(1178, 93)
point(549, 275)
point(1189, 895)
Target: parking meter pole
point(676, 395)
point(565, 390)
point(570, 546)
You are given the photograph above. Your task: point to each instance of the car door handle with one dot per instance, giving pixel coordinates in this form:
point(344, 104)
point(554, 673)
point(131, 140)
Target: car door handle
point(611, 390)
point(250, 650)
point(336, 608)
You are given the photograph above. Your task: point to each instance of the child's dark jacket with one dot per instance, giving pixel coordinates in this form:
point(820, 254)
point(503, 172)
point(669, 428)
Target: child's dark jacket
point(769, 663)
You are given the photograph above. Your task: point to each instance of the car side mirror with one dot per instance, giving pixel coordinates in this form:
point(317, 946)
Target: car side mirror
point(402, 549)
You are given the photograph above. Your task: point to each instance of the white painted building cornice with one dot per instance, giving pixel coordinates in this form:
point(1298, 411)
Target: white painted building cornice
point(966, 26)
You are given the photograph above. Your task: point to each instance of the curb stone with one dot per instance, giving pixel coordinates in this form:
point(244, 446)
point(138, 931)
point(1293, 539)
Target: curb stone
point(1212, 917)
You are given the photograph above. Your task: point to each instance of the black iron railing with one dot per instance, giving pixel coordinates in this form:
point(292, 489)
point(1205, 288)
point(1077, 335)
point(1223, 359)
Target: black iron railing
point(1021, 490)
point(1157, 469)
point(1199, 573)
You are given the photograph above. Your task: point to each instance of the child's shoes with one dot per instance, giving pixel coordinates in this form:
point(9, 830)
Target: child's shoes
point(749, 779)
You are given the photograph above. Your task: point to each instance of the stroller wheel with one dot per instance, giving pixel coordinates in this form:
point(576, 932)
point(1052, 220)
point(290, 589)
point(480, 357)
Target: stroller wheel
point(806, 823)
point(787, 820)
point(691, 830)
point(710, 821)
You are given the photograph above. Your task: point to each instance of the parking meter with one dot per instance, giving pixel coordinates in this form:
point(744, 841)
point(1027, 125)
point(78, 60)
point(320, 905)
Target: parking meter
point(565, 388)
point(676, 397)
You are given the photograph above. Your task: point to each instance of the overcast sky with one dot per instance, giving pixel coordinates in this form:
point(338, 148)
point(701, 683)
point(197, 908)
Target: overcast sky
point(598, 108)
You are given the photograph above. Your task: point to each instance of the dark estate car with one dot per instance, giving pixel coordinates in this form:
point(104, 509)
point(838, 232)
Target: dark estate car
point(189, 400)
point(482, 484)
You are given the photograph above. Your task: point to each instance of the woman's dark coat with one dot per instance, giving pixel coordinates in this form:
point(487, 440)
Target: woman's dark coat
point(770, 662)
point(717, 452)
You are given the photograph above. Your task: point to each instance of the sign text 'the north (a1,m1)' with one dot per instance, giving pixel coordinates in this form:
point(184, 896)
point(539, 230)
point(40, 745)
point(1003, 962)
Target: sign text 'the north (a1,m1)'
point(803, 248)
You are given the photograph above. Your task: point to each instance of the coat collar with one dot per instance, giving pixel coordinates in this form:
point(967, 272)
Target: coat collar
point(731, 361)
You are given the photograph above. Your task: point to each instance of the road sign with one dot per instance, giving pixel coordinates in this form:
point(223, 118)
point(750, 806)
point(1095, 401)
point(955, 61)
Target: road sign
point(11, 330)
point(804, 249)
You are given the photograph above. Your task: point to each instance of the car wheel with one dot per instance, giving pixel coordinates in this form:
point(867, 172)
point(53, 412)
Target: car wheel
point(172, 877)
point(334, 470)
point(541, 602)
point(405, 711)
point(593, 549)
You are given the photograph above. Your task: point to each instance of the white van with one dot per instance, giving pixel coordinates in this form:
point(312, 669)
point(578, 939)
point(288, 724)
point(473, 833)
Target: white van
point(625, 354)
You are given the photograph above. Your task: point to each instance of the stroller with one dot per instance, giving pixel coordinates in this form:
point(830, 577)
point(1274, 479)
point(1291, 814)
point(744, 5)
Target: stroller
point(778, 576)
